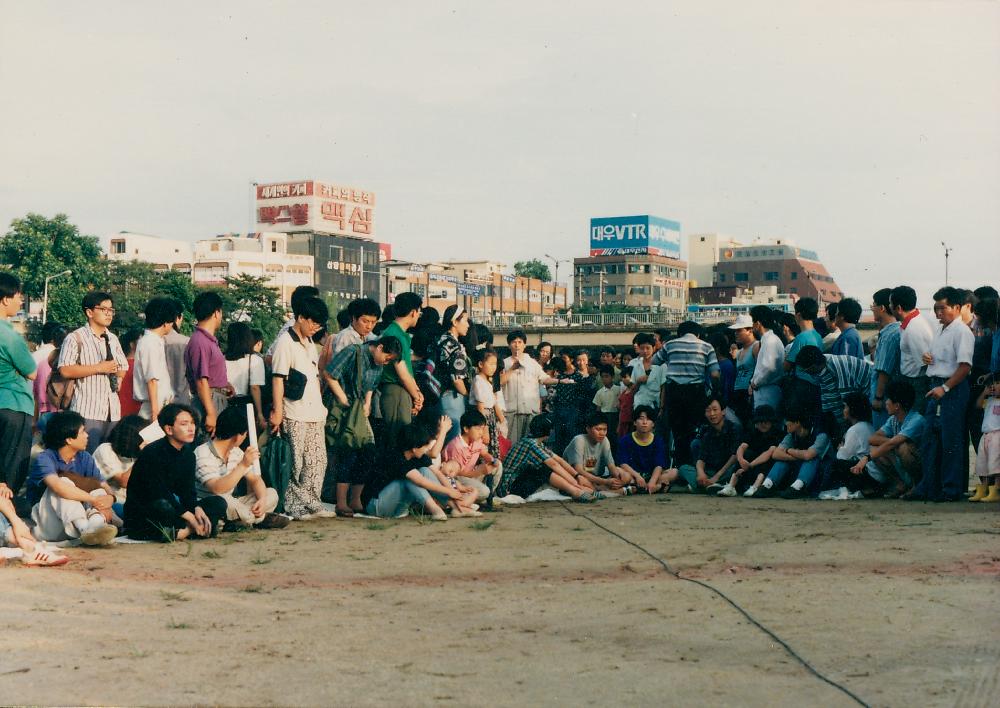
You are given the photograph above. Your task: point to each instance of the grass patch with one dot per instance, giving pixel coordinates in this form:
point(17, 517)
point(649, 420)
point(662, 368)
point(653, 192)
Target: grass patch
point(376, 526)
point(260, 560)
point(172, 624)
point(253, 589)
point(169, 596)
point(212, 555)
point(482, 525)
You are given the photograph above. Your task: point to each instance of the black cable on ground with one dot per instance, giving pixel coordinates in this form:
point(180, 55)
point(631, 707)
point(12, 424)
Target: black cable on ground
point(750, 618)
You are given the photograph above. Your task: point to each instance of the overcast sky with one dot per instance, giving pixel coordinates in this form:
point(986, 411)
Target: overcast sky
point(868, 131)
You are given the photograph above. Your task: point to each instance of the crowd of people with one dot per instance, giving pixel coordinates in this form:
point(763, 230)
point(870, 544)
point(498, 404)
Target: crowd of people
point(161, 436)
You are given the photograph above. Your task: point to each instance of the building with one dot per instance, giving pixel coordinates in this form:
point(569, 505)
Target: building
point(257, 254)
point(163, 253)
point(634, 261)
point(795, 271)
point(703, 254)
point(347, 267)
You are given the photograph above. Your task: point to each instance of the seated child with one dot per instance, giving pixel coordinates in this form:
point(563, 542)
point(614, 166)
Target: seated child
point(162, 502)
point(894, 460)
point(14, 533)
point(589, 453)
point(220, 464)
point(988, 454)
point(852, 457)
point(754, 455)
point(408, 476)
point(69, 499)
point(642, 452)
point(471, 461)
point(606, 401)
point(115, 457)
point(715, 459)
point(801, 452)
point(530, 465)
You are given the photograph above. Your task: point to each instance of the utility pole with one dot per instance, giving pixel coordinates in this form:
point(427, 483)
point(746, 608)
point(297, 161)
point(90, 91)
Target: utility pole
point(947, 252)
point(600, 290)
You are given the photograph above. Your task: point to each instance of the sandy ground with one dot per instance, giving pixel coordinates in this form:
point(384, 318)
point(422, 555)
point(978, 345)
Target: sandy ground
point(896, 601)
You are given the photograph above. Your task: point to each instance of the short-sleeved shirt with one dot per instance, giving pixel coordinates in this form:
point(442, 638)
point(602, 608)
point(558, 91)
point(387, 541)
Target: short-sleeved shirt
point(389, 375)
point(643, 457)
point(209, 465)
point(452, 362)
point(606, 399)
point(843, 375)
point(915, 338)
point(849, 344)
point(595, 457)
point(175, 345)
point(93, 397)
point(302, 356)
point(527, 454)
point(746, 360)
point(482, 392)
point(150, 364)
point(820, 442)
point(465, 454)
point(48, 463)
point(203, 359)
point(345, 338)
point(912, 427)
point(954, 345)
point(648, 392)
point(805, 338)
point(245, 372)
point(344, 369)
point(887, 350)
point(856, 441)
point(991, 416)
point(393, 467)
point(687, 360)
point(109, 463)
point(717, 446)
point(40, 385)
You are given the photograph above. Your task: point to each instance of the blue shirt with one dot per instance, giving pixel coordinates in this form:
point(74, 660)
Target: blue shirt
point(642, 458)
point(849, 344)
point(912, 427)
point(49, 462)
point(805, 338)
point(887, 350)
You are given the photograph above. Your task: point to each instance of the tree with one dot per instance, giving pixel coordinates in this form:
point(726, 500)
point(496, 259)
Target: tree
point(533, 269)
point(248, 298)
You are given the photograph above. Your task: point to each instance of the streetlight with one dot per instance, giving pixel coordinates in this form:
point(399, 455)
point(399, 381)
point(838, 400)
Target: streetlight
point(947, 251)
point(45, 297)
point(555, 280)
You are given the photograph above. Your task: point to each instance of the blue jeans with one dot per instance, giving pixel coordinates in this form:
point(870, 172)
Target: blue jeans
point(4, 528)
point(806, 471)
point(943, 459)
point(453, 406)
point(400, 495)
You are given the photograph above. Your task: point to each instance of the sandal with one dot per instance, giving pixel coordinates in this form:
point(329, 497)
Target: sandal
point(44, 559)
point(345, 513)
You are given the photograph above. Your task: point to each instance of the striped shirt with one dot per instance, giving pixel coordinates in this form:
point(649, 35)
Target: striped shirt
point(93, 397)
point(842, 375)
point(688, 360)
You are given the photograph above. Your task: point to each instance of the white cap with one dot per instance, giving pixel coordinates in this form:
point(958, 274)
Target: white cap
point(742, 322)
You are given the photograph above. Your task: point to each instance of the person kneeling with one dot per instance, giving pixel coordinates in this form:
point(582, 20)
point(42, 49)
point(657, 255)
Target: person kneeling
point(590, 455)
point(162, 503)
point(220, 464)
point(642, 453)
point(716, 456)
point(530, 465)
point(802, 452)
point(70, 501)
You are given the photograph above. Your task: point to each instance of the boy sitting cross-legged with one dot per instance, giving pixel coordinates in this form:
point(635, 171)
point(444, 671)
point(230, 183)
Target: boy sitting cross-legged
point(642, 452)
point(590, 455)
point(471, 461)
point(755, 453)
point(716, 458)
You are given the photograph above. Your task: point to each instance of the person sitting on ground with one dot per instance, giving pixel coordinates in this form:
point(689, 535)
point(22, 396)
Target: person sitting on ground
point(468, 451)
point(589, 453)
point(846, 320)
point(853, 453)
point(69, 500)
point(162, 503)
point(801, 452)
point(642, 452)
point(754, 456)
point(115, 457)
point(15, 534)
point(894, 460)
point(715, 460)
point(407, 478)
point(530, 465)
point(220, 464)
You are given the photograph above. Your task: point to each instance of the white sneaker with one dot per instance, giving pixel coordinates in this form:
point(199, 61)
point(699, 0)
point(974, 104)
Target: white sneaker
point(750, 492)
point(323, 514)
point(728, 491)
point(100, 536)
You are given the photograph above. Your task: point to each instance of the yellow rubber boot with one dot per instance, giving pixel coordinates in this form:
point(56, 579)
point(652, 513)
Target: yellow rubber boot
point(994, 495)
point(981, 491)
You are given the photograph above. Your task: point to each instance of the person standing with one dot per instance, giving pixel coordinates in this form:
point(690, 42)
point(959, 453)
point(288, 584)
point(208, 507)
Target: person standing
point(849, 341)
point(765, 384)
point(746, 359)
point(204, 364)
point(915, 337)
point(298, 407)
point(400, 396)
point(175, 345)
point(364, 313)
point(688, 365)
point(151, 384)
point(93, 357)
point(17, 371)
point(525, 379)
point(948, 362)
point(886, 354)
point(452, 367)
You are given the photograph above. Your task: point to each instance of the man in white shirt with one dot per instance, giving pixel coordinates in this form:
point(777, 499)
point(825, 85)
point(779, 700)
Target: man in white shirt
point(949, 362)
point(916, 335)
point(765, 384)
point(521, 389)
point(151, 383)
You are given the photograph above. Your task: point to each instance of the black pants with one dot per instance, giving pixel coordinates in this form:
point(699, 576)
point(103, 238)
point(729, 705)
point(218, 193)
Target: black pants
point(159, 521)
point(685, 411)
point(355, 466)
point(839, 475)
point(15, 447)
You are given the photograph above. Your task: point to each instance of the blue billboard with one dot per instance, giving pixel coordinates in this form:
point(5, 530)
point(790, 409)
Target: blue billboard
point(635, 235)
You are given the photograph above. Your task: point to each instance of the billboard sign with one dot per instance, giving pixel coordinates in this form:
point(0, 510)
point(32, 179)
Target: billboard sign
point(322, 207)
point(635, 235)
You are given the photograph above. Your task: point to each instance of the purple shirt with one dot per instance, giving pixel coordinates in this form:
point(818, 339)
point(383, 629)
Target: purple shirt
point(203, 359)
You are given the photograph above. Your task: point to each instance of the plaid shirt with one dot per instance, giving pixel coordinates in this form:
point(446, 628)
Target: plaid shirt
point(842, 375)
point(527, 453)
point(343, 368)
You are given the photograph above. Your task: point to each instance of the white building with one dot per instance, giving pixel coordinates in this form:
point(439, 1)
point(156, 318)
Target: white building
point(163, 253)
point(255, 254)
point(703, 254)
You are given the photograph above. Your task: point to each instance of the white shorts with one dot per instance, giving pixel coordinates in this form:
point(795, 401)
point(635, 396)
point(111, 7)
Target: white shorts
point(988, 456)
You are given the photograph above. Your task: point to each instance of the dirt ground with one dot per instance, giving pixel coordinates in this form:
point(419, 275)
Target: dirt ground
point(896, 601)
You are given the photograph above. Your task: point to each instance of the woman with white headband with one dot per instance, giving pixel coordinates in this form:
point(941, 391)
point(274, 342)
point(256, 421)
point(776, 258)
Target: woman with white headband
point(453, 367)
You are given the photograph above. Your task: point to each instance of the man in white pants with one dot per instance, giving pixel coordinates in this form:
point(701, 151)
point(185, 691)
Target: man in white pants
point(521, 388)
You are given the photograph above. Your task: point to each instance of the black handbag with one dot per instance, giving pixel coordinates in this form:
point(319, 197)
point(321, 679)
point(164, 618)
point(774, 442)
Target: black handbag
point(295, 382)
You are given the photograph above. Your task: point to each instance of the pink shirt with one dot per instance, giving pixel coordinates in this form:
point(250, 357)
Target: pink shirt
point(467, 456)
point(39, 385)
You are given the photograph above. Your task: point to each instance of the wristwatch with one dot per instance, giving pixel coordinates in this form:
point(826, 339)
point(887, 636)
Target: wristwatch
point(945, 387)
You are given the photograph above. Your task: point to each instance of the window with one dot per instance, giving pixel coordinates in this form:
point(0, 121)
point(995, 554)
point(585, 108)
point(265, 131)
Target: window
point(795, 275)
point(274, 246)
point(772, 275)
point(639, 290)
point(794, 291)
point(722, 277)
point(118, 247)
point(741, 277)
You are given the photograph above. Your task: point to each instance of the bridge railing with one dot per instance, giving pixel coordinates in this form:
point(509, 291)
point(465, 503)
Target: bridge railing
point(622, 320)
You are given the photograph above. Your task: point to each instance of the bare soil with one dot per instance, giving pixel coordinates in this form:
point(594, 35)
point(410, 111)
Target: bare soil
point(896, 601)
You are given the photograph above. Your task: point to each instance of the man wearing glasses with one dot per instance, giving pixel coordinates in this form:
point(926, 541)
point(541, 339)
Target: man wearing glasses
point(93, 358)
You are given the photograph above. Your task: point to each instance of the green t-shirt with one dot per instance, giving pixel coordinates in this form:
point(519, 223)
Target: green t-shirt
point(389, 374)
point(15, 364)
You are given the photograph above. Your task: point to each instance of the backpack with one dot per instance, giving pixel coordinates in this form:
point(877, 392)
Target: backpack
point(59, 390)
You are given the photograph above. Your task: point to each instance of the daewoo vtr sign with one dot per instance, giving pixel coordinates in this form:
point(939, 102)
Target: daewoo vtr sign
point(627, 235)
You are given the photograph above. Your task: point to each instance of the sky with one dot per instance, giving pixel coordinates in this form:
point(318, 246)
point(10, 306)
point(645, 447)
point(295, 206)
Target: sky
point(867, 131)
